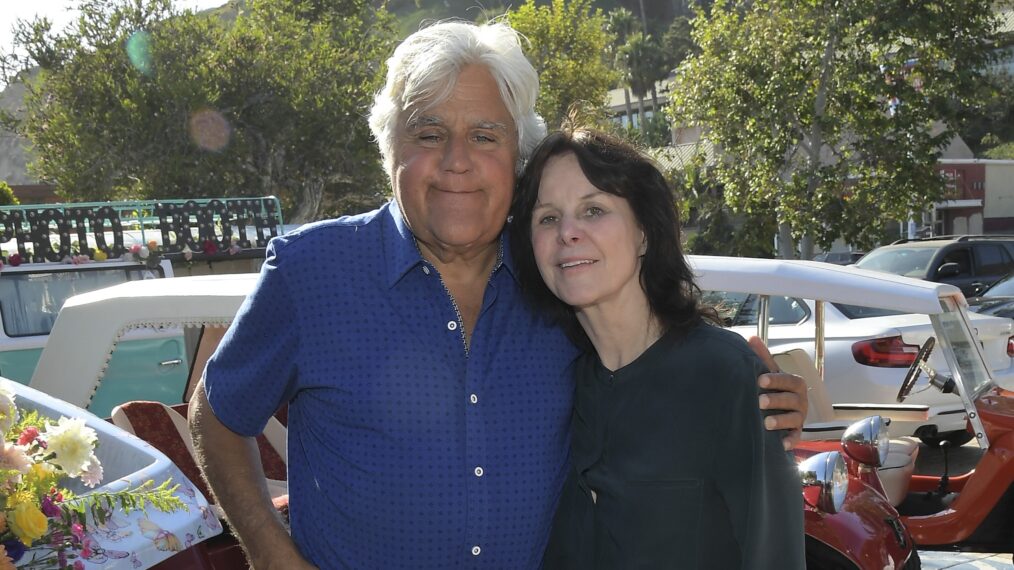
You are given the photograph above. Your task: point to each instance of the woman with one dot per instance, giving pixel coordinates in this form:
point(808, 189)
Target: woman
point(671, 465)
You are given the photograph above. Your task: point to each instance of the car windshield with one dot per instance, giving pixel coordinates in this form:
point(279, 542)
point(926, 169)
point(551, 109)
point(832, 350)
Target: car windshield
point(910, 261)
point(30, 301)
point(1002, 288)
point(954, 333)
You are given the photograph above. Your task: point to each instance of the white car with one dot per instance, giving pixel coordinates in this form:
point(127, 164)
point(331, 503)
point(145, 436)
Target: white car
point(867, 350)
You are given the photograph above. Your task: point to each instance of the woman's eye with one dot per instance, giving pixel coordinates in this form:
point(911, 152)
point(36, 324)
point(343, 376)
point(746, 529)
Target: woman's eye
point(547, 220)
point(594, 211)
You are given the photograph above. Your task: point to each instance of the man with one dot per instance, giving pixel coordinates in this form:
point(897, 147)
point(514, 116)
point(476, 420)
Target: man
point(428, 406)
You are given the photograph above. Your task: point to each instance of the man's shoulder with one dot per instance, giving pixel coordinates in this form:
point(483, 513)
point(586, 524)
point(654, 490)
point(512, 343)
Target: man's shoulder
point(334, 237)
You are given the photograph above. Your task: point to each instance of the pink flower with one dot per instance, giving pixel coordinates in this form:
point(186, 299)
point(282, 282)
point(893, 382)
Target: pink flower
point(28, 436)
point(136, 248)
point(15, 259)
point(209, 247)
point(14, 458)
point(78, 565)
point(48, 508)
point(77, 530)
point(92, 474)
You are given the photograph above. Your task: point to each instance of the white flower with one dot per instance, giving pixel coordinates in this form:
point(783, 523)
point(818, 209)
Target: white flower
point(143, 252)
point(73, 443)
point(14, 458)
point(8, 411)
point(92, 474)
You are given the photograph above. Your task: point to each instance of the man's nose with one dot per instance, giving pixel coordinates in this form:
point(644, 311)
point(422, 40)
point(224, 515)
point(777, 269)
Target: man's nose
point(457, 156)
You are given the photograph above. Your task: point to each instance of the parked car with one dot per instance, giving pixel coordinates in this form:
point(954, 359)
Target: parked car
point(839, 257)
point(31, 296)
point(851, 516)
point(969, 262)
point(996, 300)
point(867, 349)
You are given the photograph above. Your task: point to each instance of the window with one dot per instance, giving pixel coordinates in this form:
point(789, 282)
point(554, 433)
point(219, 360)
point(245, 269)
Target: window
point(991, 259)
point(740, 309)
point(962, 257)
point(30, 301)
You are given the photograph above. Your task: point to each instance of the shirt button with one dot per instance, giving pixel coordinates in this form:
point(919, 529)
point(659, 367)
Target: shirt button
point(476, 550)
point(452, 325)
point(478, 471)
point(474, 399)
point(426, 270)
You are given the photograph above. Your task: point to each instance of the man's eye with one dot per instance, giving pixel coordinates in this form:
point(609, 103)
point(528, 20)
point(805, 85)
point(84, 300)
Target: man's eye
point(484, 138)
point(429, 137)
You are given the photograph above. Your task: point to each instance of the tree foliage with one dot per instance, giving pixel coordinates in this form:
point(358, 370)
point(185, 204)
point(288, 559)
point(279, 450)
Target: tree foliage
point(7, 197)
point(833, 114)
point(568, 44)
point(139, 100)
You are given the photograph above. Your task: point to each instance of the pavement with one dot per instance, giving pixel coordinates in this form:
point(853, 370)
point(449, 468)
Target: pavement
point(959, 461)
point(964, 561)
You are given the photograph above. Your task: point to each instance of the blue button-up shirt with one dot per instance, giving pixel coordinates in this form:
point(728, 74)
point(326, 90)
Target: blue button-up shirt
point(405, 449)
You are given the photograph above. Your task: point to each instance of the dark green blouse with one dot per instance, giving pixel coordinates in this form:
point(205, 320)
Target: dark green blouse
point(684, 473)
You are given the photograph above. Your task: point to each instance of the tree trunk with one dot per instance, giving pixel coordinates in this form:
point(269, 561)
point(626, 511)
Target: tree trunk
point(786, 245)
point(654, 99)
point(640, 112)
point(626, 104)
point(311, 195)
point(806, 247)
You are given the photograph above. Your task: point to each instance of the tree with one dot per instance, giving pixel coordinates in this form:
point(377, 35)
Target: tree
point(7, 197)
point(832, 114)
point(142, 101)
point(642, 65)
point(621, 24)
point(567, 43)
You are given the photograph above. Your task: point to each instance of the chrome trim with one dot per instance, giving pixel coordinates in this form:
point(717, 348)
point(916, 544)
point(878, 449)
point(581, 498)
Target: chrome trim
point(866, 441)
point(825, 481)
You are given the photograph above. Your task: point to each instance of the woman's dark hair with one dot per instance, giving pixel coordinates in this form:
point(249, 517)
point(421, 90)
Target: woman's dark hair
point(616, 168)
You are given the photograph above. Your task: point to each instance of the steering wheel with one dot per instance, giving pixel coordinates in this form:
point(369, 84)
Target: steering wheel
point(913, 371)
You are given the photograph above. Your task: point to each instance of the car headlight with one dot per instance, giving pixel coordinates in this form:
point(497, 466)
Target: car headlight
point(825, 481)
point(867, 441)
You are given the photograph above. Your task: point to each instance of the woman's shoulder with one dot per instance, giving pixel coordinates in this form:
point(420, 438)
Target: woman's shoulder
point(716, 339)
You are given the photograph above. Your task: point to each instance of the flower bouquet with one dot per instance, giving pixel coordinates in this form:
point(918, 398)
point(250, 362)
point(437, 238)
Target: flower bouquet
point(38, 514)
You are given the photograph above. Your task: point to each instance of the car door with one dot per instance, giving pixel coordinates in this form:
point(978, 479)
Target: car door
point(965, 278)
point(992, 263)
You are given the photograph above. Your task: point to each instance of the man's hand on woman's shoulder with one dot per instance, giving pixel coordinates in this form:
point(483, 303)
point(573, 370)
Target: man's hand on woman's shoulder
point(788, 394)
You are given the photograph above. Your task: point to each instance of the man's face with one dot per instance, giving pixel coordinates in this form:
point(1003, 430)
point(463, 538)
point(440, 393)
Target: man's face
point(454, 167)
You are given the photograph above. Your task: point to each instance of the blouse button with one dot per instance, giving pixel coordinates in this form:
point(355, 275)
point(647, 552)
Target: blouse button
point(452, 325)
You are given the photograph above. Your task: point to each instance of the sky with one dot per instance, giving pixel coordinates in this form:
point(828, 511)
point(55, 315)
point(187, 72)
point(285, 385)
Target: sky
point(60, 12)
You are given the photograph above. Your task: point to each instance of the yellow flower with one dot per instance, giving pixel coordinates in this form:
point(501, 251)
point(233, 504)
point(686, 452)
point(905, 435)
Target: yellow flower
point(27, 522)
point(100, 255)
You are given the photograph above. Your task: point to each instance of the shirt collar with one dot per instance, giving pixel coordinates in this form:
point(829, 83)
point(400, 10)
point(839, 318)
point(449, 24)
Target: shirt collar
point(402, 254)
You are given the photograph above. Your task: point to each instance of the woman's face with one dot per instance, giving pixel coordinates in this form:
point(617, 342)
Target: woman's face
point(587, 243)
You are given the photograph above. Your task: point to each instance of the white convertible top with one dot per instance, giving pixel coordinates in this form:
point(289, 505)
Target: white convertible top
point(821, 281)
point(89, 324)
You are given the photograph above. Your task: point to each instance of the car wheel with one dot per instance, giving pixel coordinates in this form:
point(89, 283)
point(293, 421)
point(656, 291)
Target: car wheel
point(820, 556)
point(957, 438)
point(913, 561)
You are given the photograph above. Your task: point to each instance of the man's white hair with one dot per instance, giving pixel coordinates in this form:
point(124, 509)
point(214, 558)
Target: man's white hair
point(424, 68)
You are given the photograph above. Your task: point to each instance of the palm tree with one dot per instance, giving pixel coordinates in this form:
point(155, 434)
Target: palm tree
point(621, 23)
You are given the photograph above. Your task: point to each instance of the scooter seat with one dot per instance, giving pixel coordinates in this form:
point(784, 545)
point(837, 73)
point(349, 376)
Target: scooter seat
point(896, 472)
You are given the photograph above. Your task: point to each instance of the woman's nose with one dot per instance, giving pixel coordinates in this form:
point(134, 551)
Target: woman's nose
point(570, 233)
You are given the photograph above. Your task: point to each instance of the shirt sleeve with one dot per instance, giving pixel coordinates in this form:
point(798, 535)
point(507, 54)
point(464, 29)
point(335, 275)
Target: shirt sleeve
point(253, 371)
point(766, 507)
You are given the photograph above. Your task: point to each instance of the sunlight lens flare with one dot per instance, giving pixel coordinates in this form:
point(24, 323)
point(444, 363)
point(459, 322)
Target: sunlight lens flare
point(209, 129)
point(139, 52)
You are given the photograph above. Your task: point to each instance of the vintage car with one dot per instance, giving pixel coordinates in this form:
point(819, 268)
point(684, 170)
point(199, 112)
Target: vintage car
point(139, 538)
point(847, 513)
point(972, 510)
